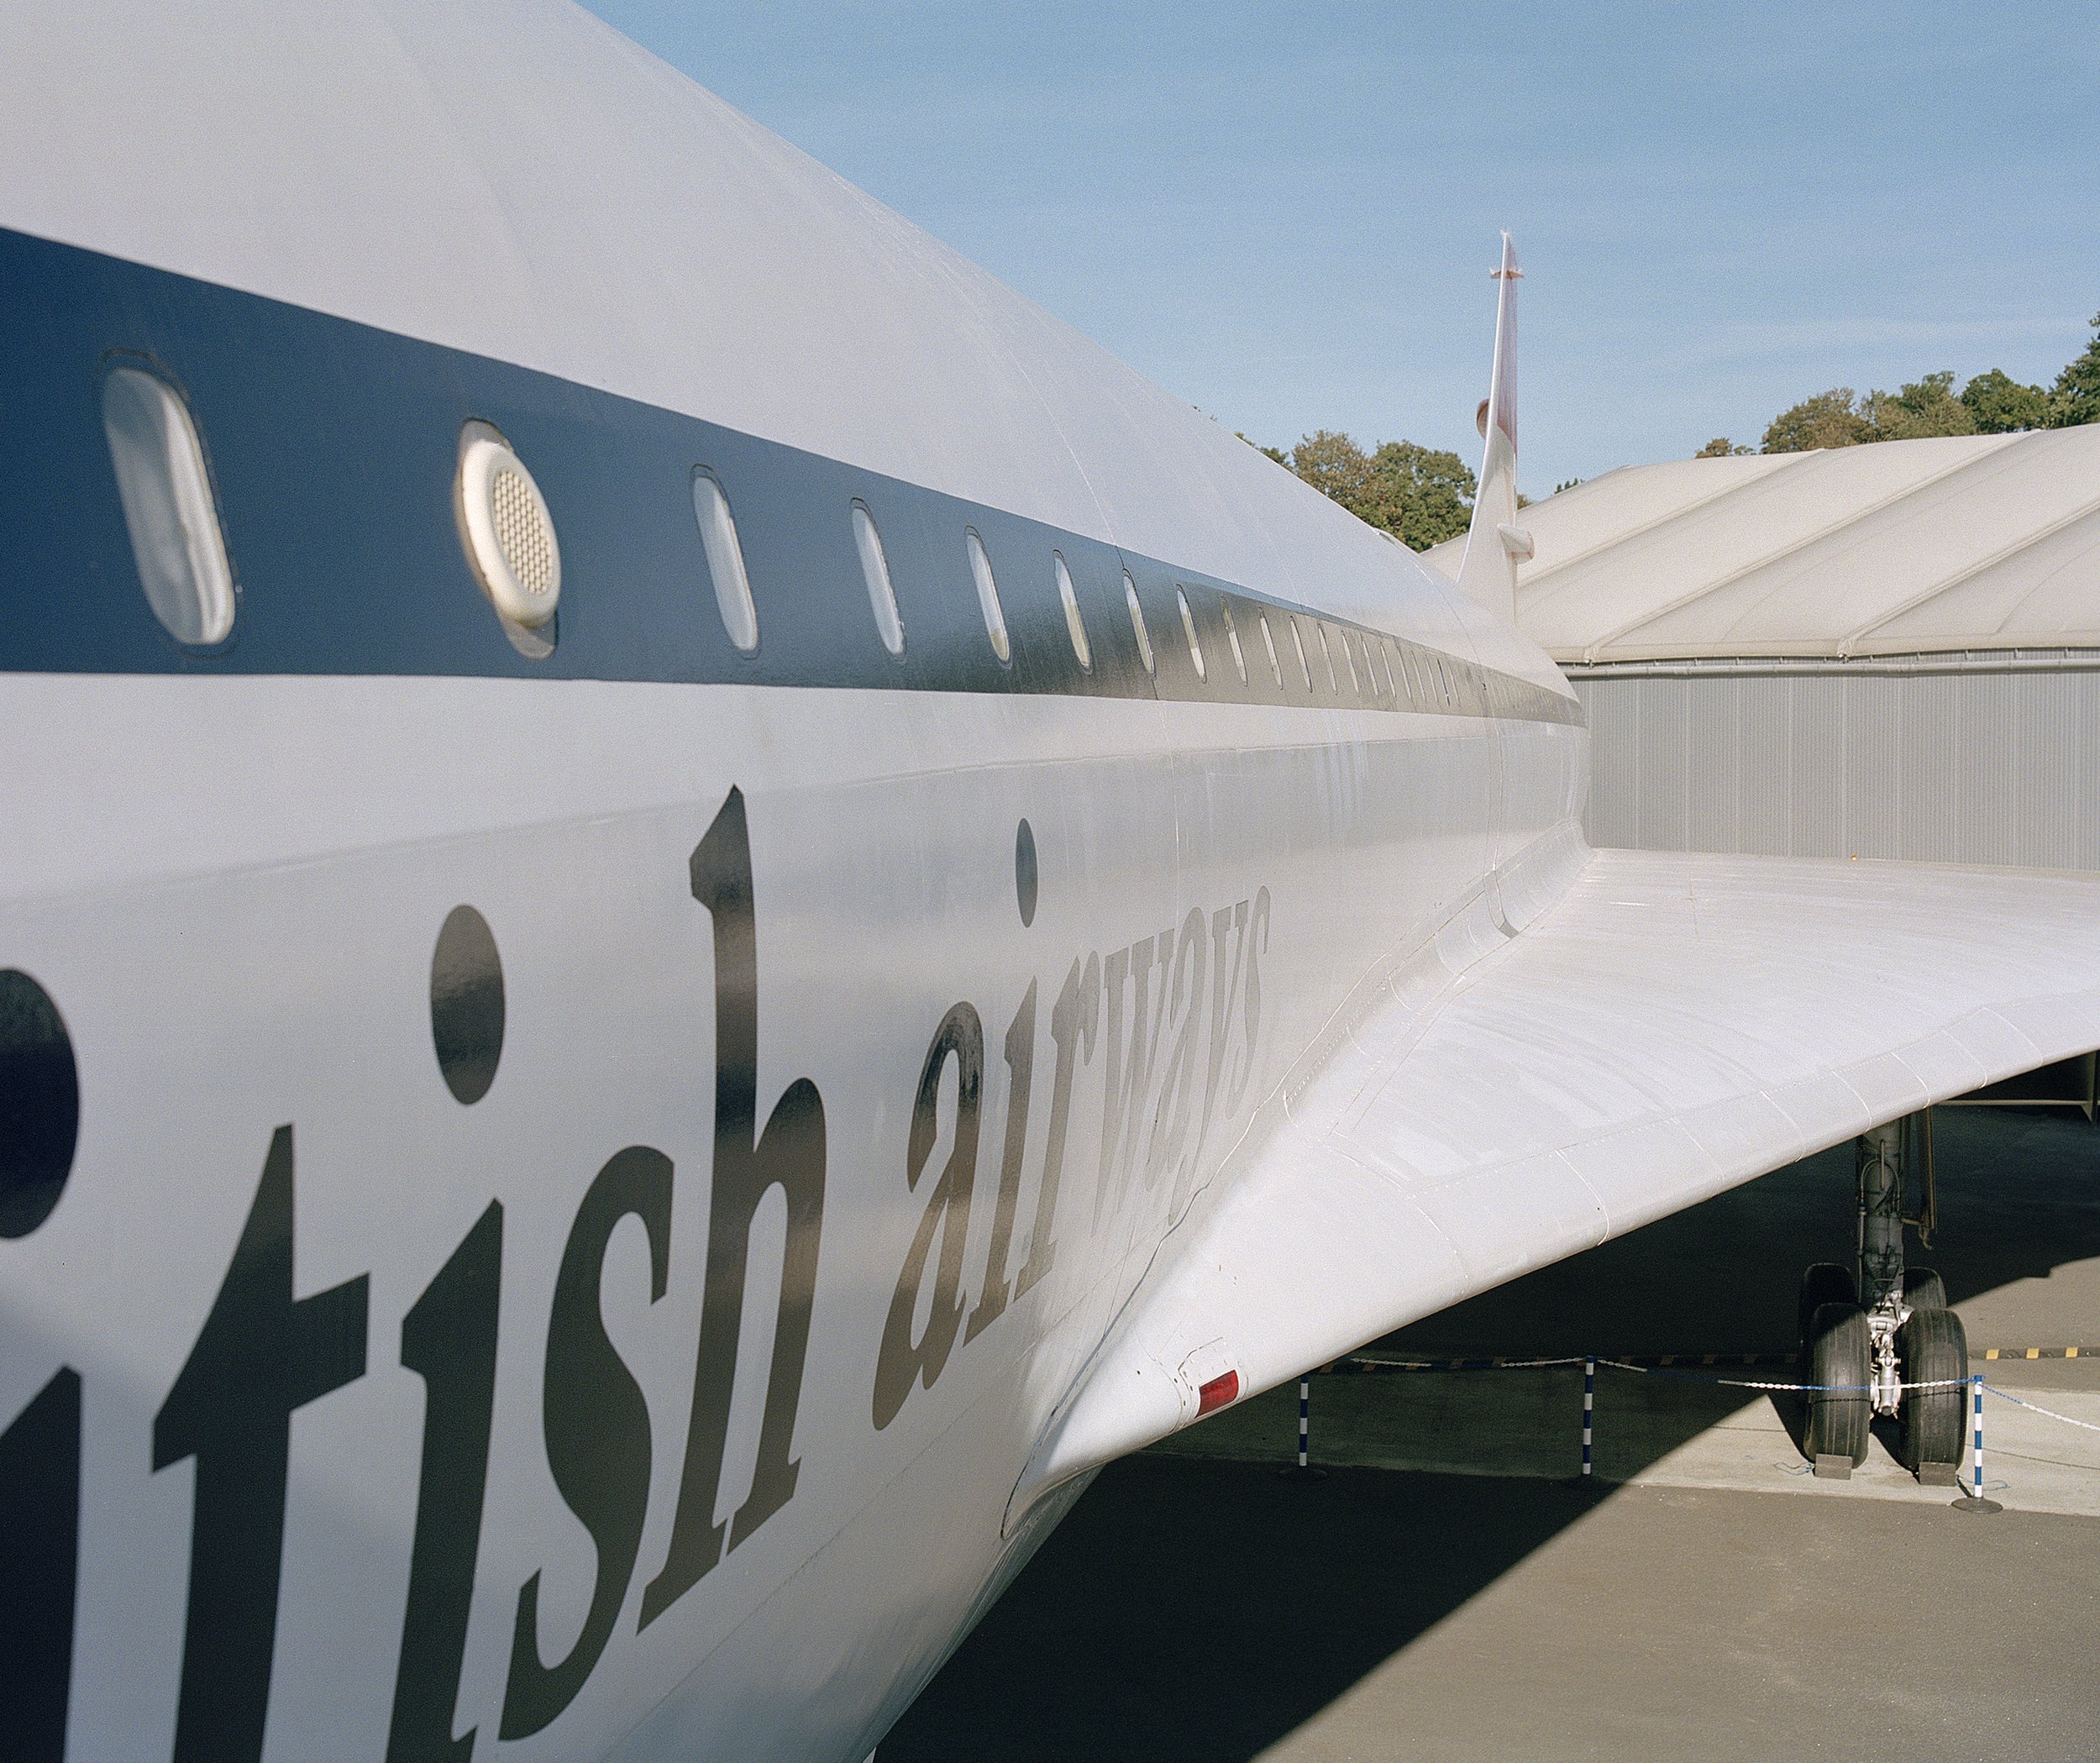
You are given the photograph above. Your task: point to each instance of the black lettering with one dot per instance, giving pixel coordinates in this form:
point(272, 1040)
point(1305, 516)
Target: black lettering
point(449, 1340)
point(40, 1557)
point(596, 1426)
point(790, 1154)
point(1076, 1015)
point(260, 1355)
point(901, 1359)
point(1224, 988)
point(1177, 1081)
point(1128, 1075)
point(1021, 1060)
point(1251, 1001)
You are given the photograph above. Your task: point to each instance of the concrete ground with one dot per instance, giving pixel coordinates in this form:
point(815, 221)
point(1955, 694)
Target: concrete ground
point(1440, 1594)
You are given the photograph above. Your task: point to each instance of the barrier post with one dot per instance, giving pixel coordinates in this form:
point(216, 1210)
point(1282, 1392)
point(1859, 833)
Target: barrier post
point(1974, 1501)
point(1589, 1404)
point(1302, 1470)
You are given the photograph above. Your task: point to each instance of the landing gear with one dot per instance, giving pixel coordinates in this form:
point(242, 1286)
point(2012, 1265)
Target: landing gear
point(1839, 1360)
point(1933, 1351)
point(1867, 1340)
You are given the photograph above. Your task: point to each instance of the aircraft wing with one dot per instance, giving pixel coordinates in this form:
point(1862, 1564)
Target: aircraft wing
point(1673, 1026)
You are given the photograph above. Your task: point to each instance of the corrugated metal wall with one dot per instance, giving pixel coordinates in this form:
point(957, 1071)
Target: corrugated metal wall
point(1993, 766)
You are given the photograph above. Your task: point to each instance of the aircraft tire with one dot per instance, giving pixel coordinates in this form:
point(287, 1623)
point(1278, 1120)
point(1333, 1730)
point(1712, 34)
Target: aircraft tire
point(1824, 1282)
point(1932, 1348)
point(1838, 1359)
point(1924, 1289)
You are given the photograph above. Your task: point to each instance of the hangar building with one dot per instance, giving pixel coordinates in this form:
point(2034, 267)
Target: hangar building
point(1883, 651)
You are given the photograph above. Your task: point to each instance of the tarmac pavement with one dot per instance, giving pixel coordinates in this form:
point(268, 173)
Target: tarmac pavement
point(1443, 1593)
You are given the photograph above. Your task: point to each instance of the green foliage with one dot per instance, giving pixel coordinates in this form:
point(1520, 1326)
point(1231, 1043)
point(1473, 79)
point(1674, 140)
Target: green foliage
point(1419, 495)
point(1721, 448)
point(1276, 454)
point(1829, 419)
point(1992, 403)
point(1924, 408)
point(2001, 405)
point(2076, 398)
point(1840, 417)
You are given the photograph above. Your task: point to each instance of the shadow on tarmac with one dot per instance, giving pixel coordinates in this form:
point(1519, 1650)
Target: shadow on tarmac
point(1200, 1609)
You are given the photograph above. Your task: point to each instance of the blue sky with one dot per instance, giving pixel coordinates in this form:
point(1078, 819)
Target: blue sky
point(1286, 214)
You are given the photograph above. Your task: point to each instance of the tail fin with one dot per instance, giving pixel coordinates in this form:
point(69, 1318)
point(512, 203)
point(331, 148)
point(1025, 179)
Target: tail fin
point(1494, 544)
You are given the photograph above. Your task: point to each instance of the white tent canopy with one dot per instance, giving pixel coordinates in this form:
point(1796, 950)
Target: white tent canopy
point(1971, 542)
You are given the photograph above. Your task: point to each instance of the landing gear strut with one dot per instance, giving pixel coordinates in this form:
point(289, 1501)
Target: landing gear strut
point(1870, 1330)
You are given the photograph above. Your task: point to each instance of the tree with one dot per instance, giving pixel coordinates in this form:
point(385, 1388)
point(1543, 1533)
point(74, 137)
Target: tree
point(1922, 409)
point(2076, 398)
point(1336, 467)
point(1721, 448)
point(2001, 405)
point(1829, 419)
point(1421, 496)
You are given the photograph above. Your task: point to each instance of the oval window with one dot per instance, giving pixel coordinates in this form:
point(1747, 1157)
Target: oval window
point(725, 562)
point(988, 595)
point(1327, 655)
point(882, 597)
point(1298, 642)
point(509, 539)
point(166, 491)
point(1137, 622)
point(1073, 622)
point(1348, 655)
point(1232, 642)
point(1268, 642)
point(1189, 630)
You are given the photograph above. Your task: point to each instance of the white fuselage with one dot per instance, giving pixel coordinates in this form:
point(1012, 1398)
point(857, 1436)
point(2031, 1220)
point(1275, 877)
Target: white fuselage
point(275, 973)
point(594, 1170)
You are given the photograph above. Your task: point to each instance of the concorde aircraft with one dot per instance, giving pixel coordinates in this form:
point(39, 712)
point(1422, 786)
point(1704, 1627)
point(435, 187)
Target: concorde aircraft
point(690, 908)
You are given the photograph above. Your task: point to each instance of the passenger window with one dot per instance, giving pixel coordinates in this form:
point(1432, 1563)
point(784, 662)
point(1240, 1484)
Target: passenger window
point(987, 595)
point(1342, 642)
point(1268, 642)
point(1327, 655)
point(1232, 642)
point(166, 491)
point(1073, 622)
point(874, 568)
point(1298, 642)
point(1189, 630)
point(725, 562)
point(1137, 623)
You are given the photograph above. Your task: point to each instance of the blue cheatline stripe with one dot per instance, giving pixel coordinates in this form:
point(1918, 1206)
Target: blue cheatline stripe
point(333, 448)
